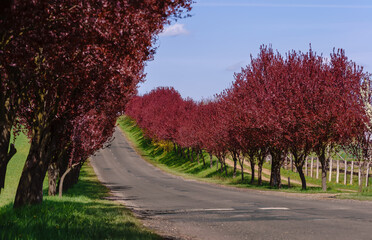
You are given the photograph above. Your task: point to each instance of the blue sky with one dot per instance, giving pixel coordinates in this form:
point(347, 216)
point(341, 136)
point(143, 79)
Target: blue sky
point(199, 55)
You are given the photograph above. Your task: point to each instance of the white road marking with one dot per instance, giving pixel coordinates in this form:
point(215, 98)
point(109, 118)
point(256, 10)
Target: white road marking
point(206, 210)
point(274, 208)
point(217, 209)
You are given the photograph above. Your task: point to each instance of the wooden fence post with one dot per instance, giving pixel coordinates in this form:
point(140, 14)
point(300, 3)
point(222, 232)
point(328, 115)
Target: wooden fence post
point(351, 172)
point(317, 168)
point(338, 171)
point(359, 175)
point(291, 162)
point(312, 166)
point(306, 167)
point(345, 172)
point(330, 169)
point(345, 169)
point(367, 175)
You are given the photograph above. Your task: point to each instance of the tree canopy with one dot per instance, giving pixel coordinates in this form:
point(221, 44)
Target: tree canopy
point(297, 103)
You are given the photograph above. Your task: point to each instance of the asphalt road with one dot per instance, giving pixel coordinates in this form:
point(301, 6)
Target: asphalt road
point(193, 210)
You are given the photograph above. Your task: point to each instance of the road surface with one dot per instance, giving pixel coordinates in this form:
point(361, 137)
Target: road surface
point(188, 209)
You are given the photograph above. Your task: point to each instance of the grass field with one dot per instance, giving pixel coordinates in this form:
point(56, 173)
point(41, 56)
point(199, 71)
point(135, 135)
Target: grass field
point(82, 213)
point(170, 162)
point(14, 170)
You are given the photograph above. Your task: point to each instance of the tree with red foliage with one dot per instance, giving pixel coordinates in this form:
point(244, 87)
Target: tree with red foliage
point(216, 132)
point(336, 109)
point(204, 112)
point(228, 118)
point(89, 133)
point(77, 51)
point(276, 97)
point(186, 136)
point(158, 113)
point(300, 104)
point(259, 94)
point(198, 124)
point(242, 141)
point(11, 89)
point(301, 68)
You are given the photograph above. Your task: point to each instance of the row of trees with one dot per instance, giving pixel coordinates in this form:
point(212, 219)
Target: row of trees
point(67, 70)
point(298, 104)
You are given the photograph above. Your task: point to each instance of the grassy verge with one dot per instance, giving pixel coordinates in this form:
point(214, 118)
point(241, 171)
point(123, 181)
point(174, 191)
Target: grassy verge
point(171, 162)
point(82, 213)
point(14, 170)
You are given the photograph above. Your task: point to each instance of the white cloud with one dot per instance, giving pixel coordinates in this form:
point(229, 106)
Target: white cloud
point(236, 67)
point(174, 30)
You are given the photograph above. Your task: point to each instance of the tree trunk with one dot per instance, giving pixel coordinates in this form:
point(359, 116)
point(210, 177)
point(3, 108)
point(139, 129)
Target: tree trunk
point(30, 188)
point(299, 160)
point(253, 163)
point(8, 109)
point(261, 158)
point(179, 150)
point(75, 173)
point(197, 156)
point(4, 164)
point(174, 148)
point(275, 180)
point(324, 177)
point(53, 173)
point(259, 173)
point(69, 178)
point(241, 163)
point(252, 167)
point(323, 161)
point(362, 169)
point(235, 162)
point(5, 155)
point(202, 156)
point(62, 180)
point(183, 154)
point(302, 176)
point(276, 162)
point(211, 159)
point(221, 163)
point(224, 164)
point(218, 159)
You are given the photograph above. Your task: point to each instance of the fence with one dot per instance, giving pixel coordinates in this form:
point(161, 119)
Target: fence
point(344, 170)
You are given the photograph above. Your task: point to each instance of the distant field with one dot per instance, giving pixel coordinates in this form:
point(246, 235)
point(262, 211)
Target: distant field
point(82, 213)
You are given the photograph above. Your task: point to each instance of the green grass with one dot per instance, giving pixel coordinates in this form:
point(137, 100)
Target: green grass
point(365, 195)
point(171, 162)
point(14, 170)
point(82, 213)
